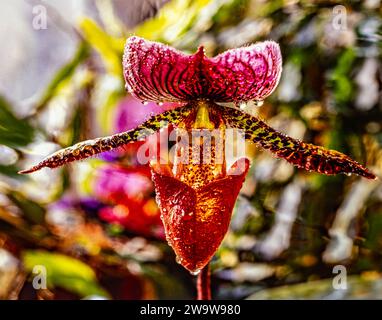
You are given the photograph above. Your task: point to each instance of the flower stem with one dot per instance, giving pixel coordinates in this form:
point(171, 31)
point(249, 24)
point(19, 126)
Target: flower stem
point(203, 284)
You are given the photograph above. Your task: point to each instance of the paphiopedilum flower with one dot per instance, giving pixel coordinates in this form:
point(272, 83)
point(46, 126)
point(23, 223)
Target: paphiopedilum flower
point(196, 200)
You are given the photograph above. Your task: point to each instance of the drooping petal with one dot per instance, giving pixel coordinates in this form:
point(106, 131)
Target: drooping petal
point(243, 74)
point(156, 72)
point(90, 148)
point(301, 154)
point(196, 219)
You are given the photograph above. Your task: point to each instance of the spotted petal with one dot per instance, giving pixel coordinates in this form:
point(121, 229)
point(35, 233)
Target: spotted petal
point(89, 148)
point(156, 72)
point(248, 73)
point(301, 154)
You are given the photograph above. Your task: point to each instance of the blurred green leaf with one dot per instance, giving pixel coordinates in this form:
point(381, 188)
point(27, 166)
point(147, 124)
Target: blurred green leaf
point(14, 132)
point(12, 171)
point(110, 48)
point(31, 210)
point(374, 235)
point(64, 73)
point(343, 87)
point(163, 281)
point(106, 117)
point(230, 12)
point(65, 272)
point(175, 18)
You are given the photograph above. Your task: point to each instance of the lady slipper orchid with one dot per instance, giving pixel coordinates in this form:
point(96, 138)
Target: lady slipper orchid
point(196, 198)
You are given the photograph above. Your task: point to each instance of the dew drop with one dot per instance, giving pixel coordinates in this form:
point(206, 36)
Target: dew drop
point(160, 104)
point(188, 216)
point(196, 272)
point(178, 260)
point(128, 88)
point(145, 103)
point(242, 105)
point(258, 103)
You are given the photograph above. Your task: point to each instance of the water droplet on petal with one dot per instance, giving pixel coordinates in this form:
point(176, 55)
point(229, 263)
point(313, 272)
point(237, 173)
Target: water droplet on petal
point(242, 105)
point(145, 103)
point(160, 104)
point(128, 88)
point(195, 273)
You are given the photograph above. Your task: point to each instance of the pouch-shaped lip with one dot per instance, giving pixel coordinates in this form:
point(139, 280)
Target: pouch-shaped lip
point(197, 219)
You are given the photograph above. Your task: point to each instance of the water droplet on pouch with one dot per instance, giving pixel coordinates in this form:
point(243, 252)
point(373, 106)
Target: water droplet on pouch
point(187, 217)
point(178, 260)
point(195, 273)
point(348, 174)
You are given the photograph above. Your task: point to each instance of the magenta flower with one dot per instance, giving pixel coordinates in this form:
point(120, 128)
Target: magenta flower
point(196, 199)
point(130, 114)
point(129, 192)
point(122, 184)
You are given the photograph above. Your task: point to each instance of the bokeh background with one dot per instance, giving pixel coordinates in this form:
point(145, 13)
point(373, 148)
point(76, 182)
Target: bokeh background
point(94, 225)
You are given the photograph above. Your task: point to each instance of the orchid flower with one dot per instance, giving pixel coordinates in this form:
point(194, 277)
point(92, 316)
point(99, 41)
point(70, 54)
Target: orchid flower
point(196, 200)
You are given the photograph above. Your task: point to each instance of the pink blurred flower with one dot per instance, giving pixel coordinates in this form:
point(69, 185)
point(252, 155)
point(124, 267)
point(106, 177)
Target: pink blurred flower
point(130, 113)
point(130, 192)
